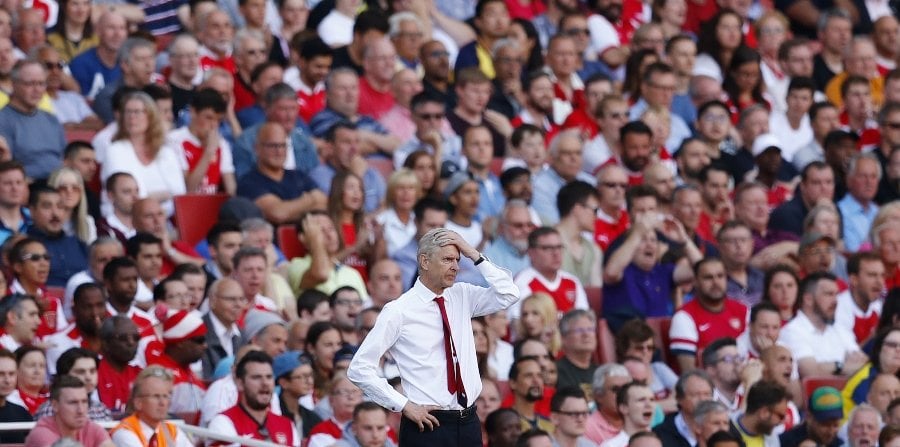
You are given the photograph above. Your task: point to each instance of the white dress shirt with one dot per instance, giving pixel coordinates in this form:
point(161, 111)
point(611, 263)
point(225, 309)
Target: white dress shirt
point(410, 328)
point(224, 334)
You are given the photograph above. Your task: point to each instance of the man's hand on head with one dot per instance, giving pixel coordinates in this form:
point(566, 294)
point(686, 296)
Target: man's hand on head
point(450, 237)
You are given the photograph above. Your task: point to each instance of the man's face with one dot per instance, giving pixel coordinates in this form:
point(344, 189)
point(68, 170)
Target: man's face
point(123, 284)
point(824, 432)
point(140, 65)
point(85, 162)
point(90, 311)
point(31, 85)
point(204, 121)
point(636, 151)
point(149, 261)
point(778, 364)
point(799, 62)
point(861, 60)
point(473, 97)
point(546, 255)
point(520, 188)
point(428, 117)
point(606, 398)
point(836, 34)
point(435, 60)
point(7, 376)
point(218, 33)
point(890, 130)
point(613, 117)
point(563, 57)
point(858, 101)
point(727, 368)
point(687, 207)
point(478, 147)
point(753, 208)
point(30, 31)
point(571, 417)
point(737, 245)
point(150, 217)
point(494, 20)
point(431, 220)
point(508, 430)
point(771, 417)
point(123, 345)
point(379, 61)
point(112, 29)
point(799, 101)
point(863, 429)
point(254, 12)
point(251, 274)
point(529, 385)
point(271, 146)
point(715, 124)
point(343, 94)
point(124, 194)
point(868, 284)
point(682, 56)
point(508, 63)
point(86, 369)
point(819, 185)
point(639, 406)
point(692, 158)
point(315, 70)
point(23, 325)
point(185, 59)
point(862, 183)
point(153, 402)
point(345, 148)
point(48, 213)
point(660, 91)
point(885, 388)
point(712, 423)
point(441, 267)
point(72, 408)
point(465, 199)
point(54, 66)
point(370, 428)
point(568, 158)
point(347, 305)
point(766, 327)
point(224, 249)
point(228, 302)
point(711, 281)
point(540, 95)
point(408, 40)
point(385, 282)
point(257, 385)
point(827, 119)
point(824, 300)
point(580, 336)
point(344, 397)
point(886, 36)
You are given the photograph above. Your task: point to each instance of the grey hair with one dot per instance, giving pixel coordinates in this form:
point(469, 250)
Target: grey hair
point(181, 39)
point(513, 204)
point(337, 72)
point(861, 408)
point(216, 71)
point(685, 376)
point(243, 34)
point(16, 73)
point(875, 233)
point(405, 16)
point(706, 408)
point(428, 244)
point(856, 40)
point(553, 150)
point(855, 159)
point(203, 19)
point(569, 317)
point(131, 44)
point(278, 92)
point(503, 43)
point(833, 13)
point(253, 224)
point(816, 211)
point(246, 253)
point(102, 241)
point(604, 372)
point(108, 327)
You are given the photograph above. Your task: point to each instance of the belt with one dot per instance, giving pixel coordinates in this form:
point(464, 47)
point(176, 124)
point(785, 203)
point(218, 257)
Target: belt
point(461, 414)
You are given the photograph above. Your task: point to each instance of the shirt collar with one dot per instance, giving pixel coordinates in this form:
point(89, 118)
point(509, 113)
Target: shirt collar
point(221, 331)
point(422, 292)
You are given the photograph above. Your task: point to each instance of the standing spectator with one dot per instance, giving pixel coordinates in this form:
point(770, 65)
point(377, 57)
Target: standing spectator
point(709, 316)
point(136, 58)
point(69, 397)
point(35, 137)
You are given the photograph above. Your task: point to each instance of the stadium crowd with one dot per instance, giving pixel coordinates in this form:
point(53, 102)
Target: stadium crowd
point(698, 200)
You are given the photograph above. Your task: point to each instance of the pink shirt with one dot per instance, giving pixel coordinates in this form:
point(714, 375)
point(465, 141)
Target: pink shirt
point(598, 429)
point(46, 432)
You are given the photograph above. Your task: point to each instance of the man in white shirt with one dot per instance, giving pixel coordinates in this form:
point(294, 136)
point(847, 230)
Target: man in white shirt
point(818, 345)
point(859, 307)
point(122, 192)
point(634, 402)
point(792, 126)
point(419, 332)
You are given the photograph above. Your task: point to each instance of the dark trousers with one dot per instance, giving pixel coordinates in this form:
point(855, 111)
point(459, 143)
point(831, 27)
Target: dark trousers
point(454, 431)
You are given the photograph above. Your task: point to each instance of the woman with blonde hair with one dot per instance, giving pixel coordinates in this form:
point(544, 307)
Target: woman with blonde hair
point(139, 149)
point(397, 220)
point(539, 320)
point(70, 185)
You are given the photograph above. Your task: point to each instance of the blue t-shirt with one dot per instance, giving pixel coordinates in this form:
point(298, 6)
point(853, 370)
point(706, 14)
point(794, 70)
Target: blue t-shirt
point(36, 140)
point(91, 74)
point(640, 294)
point(291, 186)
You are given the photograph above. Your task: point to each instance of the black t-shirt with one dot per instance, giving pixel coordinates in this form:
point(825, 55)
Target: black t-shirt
point(569, 375)
point(341, 58)
point(10, 412)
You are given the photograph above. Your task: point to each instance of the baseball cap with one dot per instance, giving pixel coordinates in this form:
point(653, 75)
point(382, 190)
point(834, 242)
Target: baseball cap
point(457, 180)
point(764, 142)
point(811, 237)
point(256, 321)
point(287, 362)
point(825, 404)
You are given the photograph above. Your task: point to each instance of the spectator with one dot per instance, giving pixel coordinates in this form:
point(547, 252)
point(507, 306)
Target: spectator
point(121, 191)
point(857, 207)
point(429, 214)
point(69, 398)
point(183, 343)
point(612, 220)
point(527, 386)
point(70, 185)
point(856, 92)
point(70, 108)
point(405, 84)
point(185, 74)
point(344, 397)
point(545, 254)
point(368, 27)
point(823, 422)
point(709, 316)
point(35, 138)
point(255, 382)
point(766, 409)
point(885, 362)
point(634, 402)
point(249, 53)
point(81, 363)
point(576, 367)
point(569, 414)
point(215, 32)
point(859, 59)
point(863, 425)
point(121, 280)
point(473, 90)
point(136, 57)
point(538, 321)
point(31, 375)
point(745, 282)
point(635, 340)
point(692, 390)
point(150, 412)
point(837, 353)
point(577, 203)
point(824, 118)
point(70, 254)
point(368, 427)
point(224, 239)
point(118, 347)
point(762, 332)
point(227, 304)
point(323, 340)
point(436, 67)
point(95, 68)
point(432, 132)
point(317, 268)
point(10, 412)
point(508, 97)
point(728, 370)
point(89, 310)
point(612, 114)
point(344, 141)
point(13, 200)
point(492, 22)
point(294, 374)
point(657, 91)
point(20, 321)
point(336, 27)
point(792, 127)
point(816, 186)
point(606, 422)
point(503, 427)
point(859, 307)
point(375, 95)
point(565, 152)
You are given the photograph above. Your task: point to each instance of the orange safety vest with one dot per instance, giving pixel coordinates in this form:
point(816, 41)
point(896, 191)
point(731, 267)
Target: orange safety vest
point(164, 438)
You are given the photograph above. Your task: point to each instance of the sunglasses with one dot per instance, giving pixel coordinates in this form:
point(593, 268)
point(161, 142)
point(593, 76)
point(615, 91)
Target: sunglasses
point(35, 257)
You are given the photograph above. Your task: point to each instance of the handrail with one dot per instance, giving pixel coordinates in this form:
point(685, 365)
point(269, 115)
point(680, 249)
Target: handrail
point(189, 429)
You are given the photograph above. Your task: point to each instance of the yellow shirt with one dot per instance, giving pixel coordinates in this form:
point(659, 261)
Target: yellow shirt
point(485, 61)
point(833, 90)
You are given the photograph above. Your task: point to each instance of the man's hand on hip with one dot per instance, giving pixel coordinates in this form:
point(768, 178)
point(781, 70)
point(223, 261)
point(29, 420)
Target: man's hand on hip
point(419, 414)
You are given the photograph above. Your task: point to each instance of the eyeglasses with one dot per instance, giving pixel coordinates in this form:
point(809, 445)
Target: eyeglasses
point(347, 302)
point(549, 247)
point(58, 65)
point(439, 54)
point(574, 414)
point(581, 330)
point(124, 338)
point(612, 185)
point(430, 116)
point(575, 32)
point(35, 257)
point(736, 358)
point(255, 52)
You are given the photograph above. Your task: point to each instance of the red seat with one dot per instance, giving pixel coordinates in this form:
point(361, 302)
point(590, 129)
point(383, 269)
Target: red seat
point(503, 388)
point(595, 299)
point(384, 166)
point(497, 166)
point(80, 135)
point(811, 383)
point(606, 343)
point(661, 327)
point(195, 214)
point(289, 243)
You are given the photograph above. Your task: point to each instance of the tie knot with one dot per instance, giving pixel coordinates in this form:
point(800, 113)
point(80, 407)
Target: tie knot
point(439, 299)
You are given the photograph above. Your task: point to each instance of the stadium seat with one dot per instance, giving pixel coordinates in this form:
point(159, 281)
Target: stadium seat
point(195, 214)
point(811, 383)
point(595, 299)
point(286, 238)
point(606, 343)
point(80, 135)
point(496, 166)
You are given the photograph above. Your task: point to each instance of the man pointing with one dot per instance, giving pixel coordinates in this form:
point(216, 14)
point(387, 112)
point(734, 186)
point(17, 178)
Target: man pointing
point(428, 331)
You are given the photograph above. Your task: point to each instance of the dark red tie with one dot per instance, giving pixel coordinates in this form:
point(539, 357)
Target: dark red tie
point(454, 377)
point(153, 441)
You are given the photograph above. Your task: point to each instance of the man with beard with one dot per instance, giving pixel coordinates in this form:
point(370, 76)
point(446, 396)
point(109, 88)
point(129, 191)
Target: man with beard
point(346, 304)
point(538, 106)
point(610, 32)
point(527, 385)
point(859, 307)
point(766, 409)
point(252, 417)
point(727, 369)
point(436, 66)
point(150, 413)
point(509, 248)
point(709, 316)
point(634, 401)
point(819, 346)
point(691, 157)
point(118, 346)
point(637, 147)
point(545, 252)
point(89, 310)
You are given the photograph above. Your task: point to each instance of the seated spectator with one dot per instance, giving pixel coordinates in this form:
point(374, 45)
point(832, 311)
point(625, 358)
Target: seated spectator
point(369, 425)
point(576, 367)
point(385, 283)
point(432, 132)
point(745, 282)
point(250, 265)
point(766, 408)
point(398, 220)
point(183, 343)
point(89, 310)
point(344, 397)
point(256, 385)
point(824, 118)
point(751, 207)
point(780, 288)
point(95, 68)
point(29, 262)
point(635, 339)
point(527, 386)
point(473, 90)
point(462, 193)
point(82, 364)
point(248, 52)
point(215, 31)
point(836, 352)
point(150, 412)
point(538, 321)
point(429, 214)
point(565, 153)
point(858, 208)
point(477, 151)
point(121, 191)
point(816, 186)
point(375, 92)
point(509, 248)
point(709, 316)
point(70, 108)
point(612, 219)
point(136, 59)
point(227, 304)
point(792, 126)
point(634, 402)
point(184, 70)
point(308, 77)
point(344, 155)
point(822, 423)
point(862, 382)
point(31, 378)
point(693, 394)
point(545, 253)
point(724, 364)
point(569, 411)
point(9, 411)
point(320, 269)
point(118, 346)
point(859, 59)
point(262, 78)
point(13, 200)
point(294, 375)
point(502, 427)
point(577, 203)
point(69, 253)
point(34, 137)
point(207, 156)
point(20, 319)
point(146, 251)
point(859, 307)
point(70, 185)
point(346, 304)
point(398, 120)
point(69, 398)
point(323, 340)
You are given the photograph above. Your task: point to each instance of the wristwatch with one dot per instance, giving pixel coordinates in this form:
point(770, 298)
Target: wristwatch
point(481, 259)
point(838, 368)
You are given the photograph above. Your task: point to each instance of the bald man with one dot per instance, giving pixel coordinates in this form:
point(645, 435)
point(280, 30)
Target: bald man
point(223, 338)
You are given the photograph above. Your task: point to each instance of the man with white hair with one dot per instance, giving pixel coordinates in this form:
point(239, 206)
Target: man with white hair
point(136, 57)
point(184, 74)
point(407, 32)
point(249, 52)
point(379, 64)
point(859, 60)
point(606, 422)
point(216, 32)
point(858, 208)
point(565, 166)
point(863, 426)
